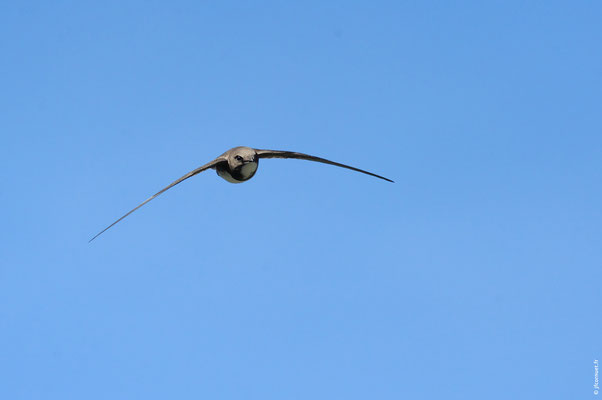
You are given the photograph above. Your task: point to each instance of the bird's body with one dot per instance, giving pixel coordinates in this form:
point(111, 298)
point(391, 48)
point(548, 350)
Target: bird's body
point(240, 164)
point(240, 175)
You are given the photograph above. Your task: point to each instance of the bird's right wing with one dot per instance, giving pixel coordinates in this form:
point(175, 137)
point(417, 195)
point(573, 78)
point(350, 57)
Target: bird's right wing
point(202, 168)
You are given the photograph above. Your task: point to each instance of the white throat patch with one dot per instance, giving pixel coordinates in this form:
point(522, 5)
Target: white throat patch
point(248, 170)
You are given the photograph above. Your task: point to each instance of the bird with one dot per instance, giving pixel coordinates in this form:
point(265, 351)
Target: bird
point(239, 164)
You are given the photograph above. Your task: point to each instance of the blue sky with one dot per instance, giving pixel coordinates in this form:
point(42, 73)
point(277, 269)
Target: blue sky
point(477, 274)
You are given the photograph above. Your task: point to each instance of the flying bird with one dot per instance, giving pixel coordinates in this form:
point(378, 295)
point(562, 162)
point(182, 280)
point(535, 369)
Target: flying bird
point(239, 164)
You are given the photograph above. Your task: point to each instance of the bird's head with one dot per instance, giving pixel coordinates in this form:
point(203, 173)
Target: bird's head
point(238, 157)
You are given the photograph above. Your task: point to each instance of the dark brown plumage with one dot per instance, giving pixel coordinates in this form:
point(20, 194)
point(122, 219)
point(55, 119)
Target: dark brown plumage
point(239, 164)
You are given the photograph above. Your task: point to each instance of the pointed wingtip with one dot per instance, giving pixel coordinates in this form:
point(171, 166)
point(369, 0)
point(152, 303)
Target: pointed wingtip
point(382, 177)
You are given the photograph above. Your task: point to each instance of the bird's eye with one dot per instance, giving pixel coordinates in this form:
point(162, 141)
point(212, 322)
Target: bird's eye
point(238, 158)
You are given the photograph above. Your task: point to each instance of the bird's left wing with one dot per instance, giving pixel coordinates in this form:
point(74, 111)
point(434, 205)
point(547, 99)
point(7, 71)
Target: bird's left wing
point(211, 164)
point(301, 156)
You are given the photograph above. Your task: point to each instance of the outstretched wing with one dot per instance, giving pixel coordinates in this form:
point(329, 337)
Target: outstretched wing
point(301, 156)
point(211, 164)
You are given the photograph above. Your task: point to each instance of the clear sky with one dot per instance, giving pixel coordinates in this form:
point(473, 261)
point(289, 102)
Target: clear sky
point(476, 275)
